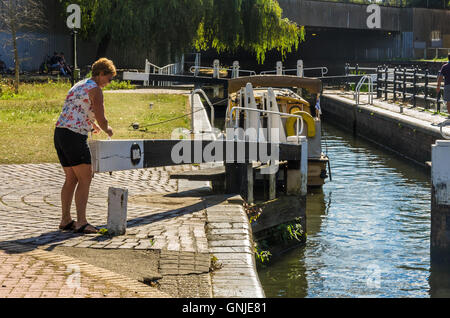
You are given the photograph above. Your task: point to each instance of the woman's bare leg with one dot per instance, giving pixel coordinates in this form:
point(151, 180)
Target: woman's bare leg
point(84, 175)
point(67, 193)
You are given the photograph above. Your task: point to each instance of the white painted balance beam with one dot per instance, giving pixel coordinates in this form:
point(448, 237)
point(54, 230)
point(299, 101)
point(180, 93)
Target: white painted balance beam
point(116, 155)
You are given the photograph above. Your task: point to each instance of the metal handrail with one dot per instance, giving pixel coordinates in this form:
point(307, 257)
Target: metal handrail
point(323, 69)
point(358, 89)
point(194, 69)
point(166, 70)
point(196, 91)
point(442, 125)
point(284, 115)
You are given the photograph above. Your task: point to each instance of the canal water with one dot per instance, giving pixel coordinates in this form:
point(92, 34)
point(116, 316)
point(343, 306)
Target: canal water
point(368, 229)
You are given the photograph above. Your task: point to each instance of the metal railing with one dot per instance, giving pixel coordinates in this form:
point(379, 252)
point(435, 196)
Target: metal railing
point(437, 52)
point(200, 91)
point(236, 71)
point(262, 111)
point(150, 68)
point(410, 84)
point(357, 69)
point(196, 69)
point(369, 84)
point(323, 71)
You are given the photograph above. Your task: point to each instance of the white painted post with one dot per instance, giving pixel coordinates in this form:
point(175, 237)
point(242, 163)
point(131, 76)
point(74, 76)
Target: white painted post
point(297, 179)
point(147, 71)
point(117, 211)
point(440, 203)
point(216, 71)
point(304, 166)
point(235, 69)
point(192, 114)
point(272, 186)
point(250, 195)
point(216, 74)
point(279, 68)
point(300, 71)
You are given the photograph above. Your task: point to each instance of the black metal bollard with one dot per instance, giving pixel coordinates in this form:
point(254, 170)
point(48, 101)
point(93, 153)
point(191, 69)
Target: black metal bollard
point(404, 84)
point(395, 84)
point(414, 86)
point(426, 88)
point(385, 82)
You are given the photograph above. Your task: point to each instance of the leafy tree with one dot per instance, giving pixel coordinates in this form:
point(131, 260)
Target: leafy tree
point(173, 26)
point(19, 18)
point(255, 25)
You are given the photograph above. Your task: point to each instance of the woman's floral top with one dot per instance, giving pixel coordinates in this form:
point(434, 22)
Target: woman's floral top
point(77, 114)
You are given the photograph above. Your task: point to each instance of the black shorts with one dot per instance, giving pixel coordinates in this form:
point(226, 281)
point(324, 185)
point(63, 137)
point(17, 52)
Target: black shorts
point(72, 148)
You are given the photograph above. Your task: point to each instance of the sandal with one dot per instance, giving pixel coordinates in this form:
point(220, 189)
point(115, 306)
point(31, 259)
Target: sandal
point(84, 230)
point(68, 227)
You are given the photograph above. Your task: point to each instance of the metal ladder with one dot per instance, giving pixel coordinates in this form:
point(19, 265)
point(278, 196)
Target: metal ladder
point(357, 95)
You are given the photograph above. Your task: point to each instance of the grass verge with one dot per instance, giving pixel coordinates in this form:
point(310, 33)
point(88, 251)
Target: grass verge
point(27, 120)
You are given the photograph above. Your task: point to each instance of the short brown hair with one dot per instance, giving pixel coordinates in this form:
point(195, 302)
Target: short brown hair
point(103, 65)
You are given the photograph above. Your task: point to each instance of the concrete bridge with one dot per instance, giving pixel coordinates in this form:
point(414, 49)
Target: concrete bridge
point(353, 32)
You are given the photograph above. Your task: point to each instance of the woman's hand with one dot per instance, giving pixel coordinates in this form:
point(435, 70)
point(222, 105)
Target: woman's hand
point(97, 129)
point(109, 131)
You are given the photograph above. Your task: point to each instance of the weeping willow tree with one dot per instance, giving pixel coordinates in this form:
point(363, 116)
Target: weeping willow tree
point(254, 25)
point(171, 27)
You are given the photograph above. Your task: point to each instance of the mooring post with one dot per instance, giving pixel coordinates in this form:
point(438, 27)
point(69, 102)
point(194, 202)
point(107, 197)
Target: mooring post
point(250, 182)
point(304, 166)
point(440, 203)
point(216, 74)
point(297, 173)
point(279, 68)
point(235, 69)
point(300, 72)
point(272, 186)
point(117, 211)
point(216, 71)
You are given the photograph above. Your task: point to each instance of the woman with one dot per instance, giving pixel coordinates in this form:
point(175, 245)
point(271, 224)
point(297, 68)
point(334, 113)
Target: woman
point(83, 106)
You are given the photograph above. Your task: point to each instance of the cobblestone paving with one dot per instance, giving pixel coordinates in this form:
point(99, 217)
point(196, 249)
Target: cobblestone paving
point(30, 215)
point(30, 209)
point(40, 274)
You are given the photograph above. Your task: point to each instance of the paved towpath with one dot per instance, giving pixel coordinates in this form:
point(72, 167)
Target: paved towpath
point(163, 216)
point(30, 216)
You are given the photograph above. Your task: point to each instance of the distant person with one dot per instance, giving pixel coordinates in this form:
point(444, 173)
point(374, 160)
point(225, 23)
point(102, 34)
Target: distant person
point(56, 62)
point(444, 73)
point(64, 64)
point(82, 109)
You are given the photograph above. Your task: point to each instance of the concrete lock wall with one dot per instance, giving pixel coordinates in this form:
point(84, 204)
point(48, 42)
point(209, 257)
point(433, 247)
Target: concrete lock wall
point(395, 133)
